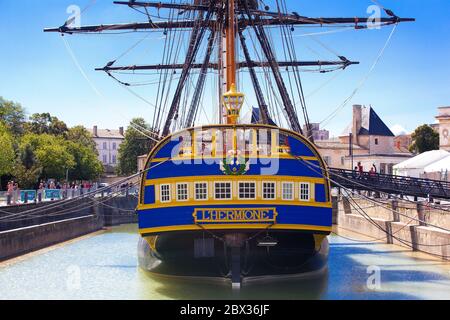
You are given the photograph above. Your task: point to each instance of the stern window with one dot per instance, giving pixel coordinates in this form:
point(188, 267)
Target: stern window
point(165, 193)
point(305, 191)
point(182, 192)
point(269, 190)
point(201, 191)
point(288, 191)
point(222, 190)
point(247, 190)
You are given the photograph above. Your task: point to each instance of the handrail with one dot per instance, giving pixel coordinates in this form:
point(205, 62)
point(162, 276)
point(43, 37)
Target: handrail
point(408, 186)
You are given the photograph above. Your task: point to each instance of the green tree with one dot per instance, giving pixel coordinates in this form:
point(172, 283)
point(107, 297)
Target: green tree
point(424, 138)
point(26, 177)
point(44, 123)
point(7, 153)
point(12, 115)
point(87, 166)
point(134, 145)
point(48, 152)
point(81, 135)
point(55, 160)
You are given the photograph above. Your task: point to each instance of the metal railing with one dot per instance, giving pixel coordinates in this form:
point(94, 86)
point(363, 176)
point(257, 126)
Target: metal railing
point(391, 184)
point(49, 195)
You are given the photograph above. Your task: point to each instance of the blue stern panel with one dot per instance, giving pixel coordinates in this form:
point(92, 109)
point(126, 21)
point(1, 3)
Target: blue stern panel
point(234, 177)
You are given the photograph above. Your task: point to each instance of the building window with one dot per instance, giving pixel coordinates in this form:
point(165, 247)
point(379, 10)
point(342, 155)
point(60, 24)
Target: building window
point(105, 158)
point(182, 192)
point(105, 146)
point(327, 160)
point(165, 193)
point(114, 159)
point(287, 191)
point(376, 141)
point(201, 191)
point(269, 190)
point(342, 161)
point(304, 191)
point(247, 190)
point(222, 190)
point(114, 146)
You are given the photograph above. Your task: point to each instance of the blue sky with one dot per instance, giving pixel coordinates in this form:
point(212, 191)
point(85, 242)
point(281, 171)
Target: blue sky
point(410, 81)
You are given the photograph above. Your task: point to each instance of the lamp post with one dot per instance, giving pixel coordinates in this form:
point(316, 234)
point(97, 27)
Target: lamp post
point(350, 148)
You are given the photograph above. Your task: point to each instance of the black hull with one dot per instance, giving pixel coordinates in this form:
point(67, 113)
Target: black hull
point(198, 255)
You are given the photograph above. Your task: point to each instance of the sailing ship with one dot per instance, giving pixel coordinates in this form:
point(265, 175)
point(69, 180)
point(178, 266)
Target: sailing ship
point(237, 200)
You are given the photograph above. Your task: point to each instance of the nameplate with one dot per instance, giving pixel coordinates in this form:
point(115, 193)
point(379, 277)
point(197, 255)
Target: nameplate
point(239, 215)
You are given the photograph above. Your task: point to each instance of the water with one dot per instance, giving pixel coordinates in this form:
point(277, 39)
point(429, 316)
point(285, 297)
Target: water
point(104, 266)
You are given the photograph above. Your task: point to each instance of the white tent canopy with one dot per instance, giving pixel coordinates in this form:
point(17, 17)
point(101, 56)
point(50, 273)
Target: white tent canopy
point(439, 166)
point(414, 167)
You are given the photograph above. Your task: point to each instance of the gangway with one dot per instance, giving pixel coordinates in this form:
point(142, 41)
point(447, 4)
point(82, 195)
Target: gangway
point(390, 184)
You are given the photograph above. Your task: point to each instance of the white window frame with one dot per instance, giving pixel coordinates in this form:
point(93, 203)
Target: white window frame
point(231, 190)
point(239, 190)
point(300, 191)
point(283, 183)
point(161, 196)
point(207, 190)
point(274, 190)
point(187, 191)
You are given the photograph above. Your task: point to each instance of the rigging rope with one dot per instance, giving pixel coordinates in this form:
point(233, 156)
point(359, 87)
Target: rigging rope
point(94, 88)
point(362, 82)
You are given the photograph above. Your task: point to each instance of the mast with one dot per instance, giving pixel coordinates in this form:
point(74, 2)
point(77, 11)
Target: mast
point(231, 56)
point(231, 46)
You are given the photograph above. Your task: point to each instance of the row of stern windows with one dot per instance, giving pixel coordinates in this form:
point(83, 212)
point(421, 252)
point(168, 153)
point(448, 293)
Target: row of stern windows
point(204, 191)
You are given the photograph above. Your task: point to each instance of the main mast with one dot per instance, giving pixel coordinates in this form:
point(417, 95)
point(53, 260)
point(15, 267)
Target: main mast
point(232, 100)
point(231, 46)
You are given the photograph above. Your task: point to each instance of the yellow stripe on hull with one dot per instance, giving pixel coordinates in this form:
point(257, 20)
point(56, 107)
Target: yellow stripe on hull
point(298, 227)
point(203, 157)
point(235, 203)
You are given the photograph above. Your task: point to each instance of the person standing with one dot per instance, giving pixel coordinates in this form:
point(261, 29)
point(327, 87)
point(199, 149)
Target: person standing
point(360, 170)
point(40, 192)
point(9, 193)
point(64, 191)
point(15, 193)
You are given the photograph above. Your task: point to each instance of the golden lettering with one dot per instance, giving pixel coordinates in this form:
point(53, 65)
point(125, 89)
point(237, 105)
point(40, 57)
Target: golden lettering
point(233, 215)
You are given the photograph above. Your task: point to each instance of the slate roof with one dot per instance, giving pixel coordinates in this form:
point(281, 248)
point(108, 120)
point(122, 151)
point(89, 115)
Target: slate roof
point(107, 133)
point(371, 124)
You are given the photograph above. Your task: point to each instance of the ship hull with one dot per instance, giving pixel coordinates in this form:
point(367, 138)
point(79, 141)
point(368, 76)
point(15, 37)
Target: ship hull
point(234, 202)
point(197, 254)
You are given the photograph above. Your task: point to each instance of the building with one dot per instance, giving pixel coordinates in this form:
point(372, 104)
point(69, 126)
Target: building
point(433, 164)
point(317, 134)
point(141, 162)
point(443, 128)
point(366, 139)
point(402, 142)
point(108, 143)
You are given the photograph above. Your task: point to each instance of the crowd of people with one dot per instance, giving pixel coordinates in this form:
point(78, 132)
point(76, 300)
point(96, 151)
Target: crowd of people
point(12, 193)
point(62, 190)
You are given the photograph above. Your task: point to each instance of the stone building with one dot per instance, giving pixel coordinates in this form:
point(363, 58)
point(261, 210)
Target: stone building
point(372, 142)
point(443, 127)
point(108, 143)
point(317, 133)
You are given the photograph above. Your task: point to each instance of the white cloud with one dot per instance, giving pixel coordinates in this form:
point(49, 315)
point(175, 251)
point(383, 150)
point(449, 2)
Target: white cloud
point(398, 130)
